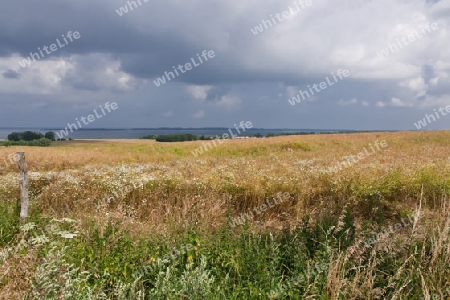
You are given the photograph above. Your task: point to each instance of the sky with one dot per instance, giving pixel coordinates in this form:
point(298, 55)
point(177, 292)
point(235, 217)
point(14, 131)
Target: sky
point(257, 56)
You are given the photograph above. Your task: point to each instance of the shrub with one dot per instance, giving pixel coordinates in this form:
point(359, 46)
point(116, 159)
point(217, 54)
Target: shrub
point(14, 136)
point(206, 138)
point(25, 136)
point(43, 142)
point(31, 136)
point(193, 283)
point(177, 137)
point(50, 135)
point(56, 279)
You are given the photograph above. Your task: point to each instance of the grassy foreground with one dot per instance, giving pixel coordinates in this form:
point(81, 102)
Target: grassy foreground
point(291, 217)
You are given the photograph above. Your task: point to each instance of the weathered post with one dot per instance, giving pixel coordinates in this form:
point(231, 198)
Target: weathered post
point(23, 185)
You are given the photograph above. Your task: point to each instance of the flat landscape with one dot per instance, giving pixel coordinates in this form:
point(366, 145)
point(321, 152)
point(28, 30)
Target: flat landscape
point(335, 216)
point(213, 150)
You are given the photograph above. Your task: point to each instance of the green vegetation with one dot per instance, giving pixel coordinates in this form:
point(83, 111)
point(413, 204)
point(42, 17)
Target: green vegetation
point(193, 137)
point(176, 137)
point(30, 138)
point(43, 142)
point(50, 135)
point(25, 136)
point(151, 221)
point(106, 261)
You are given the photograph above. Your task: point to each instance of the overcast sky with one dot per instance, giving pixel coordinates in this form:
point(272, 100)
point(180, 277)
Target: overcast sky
point(251, 77)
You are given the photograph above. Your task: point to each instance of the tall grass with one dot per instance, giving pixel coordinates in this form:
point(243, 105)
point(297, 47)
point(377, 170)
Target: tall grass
point(136, 203)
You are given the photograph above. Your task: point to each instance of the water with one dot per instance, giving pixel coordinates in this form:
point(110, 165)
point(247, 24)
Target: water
point(138, 133)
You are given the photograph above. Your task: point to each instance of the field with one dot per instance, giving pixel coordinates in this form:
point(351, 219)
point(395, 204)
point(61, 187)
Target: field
point(294, 217)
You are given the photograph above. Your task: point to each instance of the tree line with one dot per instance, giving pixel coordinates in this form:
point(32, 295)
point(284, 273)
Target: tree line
point(30, 138)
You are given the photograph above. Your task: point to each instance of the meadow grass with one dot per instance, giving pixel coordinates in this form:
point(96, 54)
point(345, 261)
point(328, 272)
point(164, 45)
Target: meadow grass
point(135, 202)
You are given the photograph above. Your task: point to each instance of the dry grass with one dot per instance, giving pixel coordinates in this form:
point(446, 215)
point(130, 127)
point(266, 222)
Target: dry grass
point(161, 188)
point(76, 177)
point(428, 245)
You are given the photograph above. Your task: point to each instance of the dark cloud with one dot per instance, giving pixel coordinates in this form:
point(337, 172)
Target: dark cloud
point(250, 78)
point(11, 74)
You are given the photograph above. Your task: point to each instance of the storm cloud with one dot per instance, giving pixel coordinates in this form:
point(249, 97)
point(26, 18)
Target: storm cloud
point(252, 76)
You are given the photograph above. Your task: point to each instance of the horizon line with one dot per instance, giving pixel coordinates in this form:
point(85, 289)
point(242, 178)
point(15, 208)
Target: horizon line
point(206, 128)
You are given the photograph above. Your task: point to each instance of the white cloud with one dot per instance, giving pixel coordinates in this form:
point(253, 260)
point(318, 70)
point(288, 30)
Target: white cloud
point(399, 102)
point(41, 77)
point(349, 102)
point(394, 102)
point(417, 85)
point(434, 81)
point(91, 72)
point(198, 91)
point(434, 101)
point(100, 72)
point(321, 57)
point(229, 102)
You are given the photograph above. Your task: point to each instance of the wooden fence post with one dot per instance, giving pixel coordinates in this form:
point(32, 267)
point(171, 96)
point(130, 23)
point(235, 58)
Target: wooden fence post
point(23, 185)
